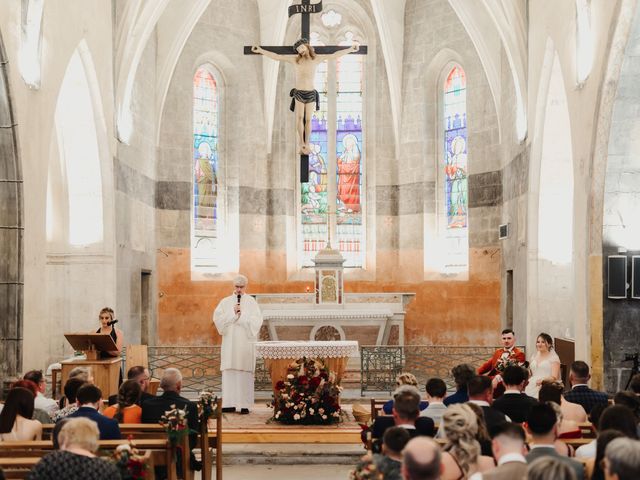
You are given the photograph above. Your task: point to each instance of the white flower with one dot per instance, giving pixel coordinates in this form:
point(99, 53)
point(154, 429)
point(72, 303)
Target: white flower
point(290, 376)
point(324, 417)
point(278, 415)
point(296, 417)
point(311, 410)
point(295, 407)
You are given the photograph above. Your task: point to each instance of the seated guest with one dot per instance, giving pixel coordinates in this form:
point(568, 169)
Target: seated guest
point(38, 414)
point(436, 391)
point(405, 414)
point(622, 459)
point(88, 399)
point(552, 393)
point(547, 468)
point(629, 400)
point(508, 445)
point(49, 405)
point(76, 459)
point(461, 375)
point(461, 457)
point(621, 418)
point(154, 408)
point(571, 412)
point(403, 379)
point(482, 436)
point(390, 462)
point(481, 393)
point(514, 403)
point(141, 375)
point(15, 420)
point(543, 428)
point(594, 465)
point(563, 448)
point(71, 388)
point(421, 460)
point(589, 450)
point(126, 410)
point(82, 373)
point(580, 392)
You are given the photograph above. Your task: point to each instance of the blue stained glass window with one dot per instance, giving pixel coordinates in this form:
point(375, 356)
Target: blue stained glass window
point(205, 151)
point(455, 148)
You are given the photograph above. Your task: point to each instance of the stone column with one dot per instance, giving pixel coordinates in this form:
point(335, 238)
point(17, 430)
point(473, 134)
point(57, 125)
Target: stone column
point(11, 232)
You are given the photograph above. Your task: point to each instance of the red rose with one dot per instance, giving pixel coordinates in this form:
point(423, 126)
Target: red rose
point(280, 385)
point(315, 382)
point(303, 380)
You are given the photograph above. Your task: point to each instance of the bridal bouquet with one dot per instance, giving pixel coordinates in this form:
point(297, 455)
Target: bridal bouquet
point(507, 360)
point(309, 395)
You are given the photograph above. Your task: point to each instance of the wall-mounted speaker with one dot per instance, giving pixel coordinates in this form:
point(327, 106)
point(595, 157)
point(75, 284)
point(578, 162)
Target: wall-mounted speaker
point(617, 276)
point(635, 276)
point(503, 231)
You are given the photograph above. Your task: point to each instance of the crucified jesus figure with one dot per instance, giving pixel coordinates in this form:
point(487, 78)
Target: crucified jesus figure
point(305, 96)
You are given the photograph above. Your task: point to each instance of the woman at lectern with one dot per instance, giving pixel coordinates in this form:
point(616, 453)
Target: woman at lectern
point(107, 325)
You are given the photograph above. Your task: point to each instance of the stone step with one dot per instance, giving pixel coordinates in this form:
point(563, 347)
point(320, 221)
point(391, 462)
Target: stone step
point(288, 454)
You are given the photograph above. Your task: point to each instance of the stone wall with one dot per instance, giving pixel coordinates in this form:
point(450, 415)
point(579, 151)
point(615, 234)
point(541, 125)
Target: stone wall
point(621, 224)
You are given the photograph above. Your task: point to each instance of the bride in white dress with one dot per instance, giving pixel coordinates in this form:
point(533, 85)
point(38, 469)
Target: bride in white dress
point(544, 365)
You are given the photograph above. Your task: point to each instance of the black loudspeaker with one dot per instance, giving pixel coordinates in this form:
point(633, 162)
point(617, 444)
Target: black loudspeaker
point(635, 276)
point(617, 276)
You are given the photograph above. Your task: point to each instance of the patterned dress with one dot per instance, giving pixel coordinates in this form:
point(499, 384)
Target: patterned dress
point(70, 466)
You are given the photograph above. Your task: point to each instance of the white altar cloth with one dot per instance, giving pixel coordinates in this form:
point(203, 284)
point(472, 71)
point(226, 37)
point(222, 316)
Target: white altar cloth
point(310, 349)
point(278, 355)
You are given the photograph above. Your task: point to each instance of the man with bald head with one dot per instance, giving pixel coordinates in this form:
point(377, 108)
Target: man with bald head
point(421, 460)
point(238, 320)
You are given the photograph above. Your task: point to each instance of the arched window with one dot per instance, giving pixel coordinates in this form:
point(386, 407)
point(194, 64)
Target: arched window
point(205, 208)
point(337, 146)
point(80, 155)
point(456, 197)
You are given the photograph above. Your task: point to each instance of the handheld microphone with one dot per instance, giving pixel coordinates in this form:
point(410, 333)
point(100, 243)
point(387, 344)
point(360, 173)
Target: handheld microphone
point(112, 322)
point(239, 298)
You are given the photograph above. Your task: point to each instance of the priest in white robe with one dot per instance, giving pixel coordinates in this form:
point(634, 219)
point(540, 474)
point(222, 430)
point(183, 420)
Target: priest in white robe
point(238, 320)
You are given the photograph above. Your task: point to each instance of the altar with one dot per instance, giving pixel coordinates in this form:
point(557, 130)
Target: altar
point(278, 355)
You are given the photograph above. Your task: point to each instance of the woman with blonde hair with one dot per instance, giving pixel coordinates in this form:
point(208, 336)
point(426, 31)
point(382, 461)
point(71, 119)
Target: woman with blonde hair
point(461, 457)
point(76, 459)
point(405, 378)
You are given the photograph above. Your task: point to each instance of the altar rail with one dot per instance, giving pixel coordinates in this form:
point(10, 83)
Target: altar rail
point(379, 365)
point(200, 367)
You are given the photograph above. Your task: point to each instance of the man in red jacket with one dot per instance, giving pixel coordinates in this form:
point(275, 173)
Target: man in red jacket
point(502, 358)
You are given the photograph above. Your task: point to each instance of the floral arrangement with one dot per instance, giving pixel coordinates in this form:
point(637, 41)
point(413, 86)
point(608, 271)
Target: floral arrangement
point(308, 396)
point(131, 465)
point(366, 469)
point(174, 422)
point(207, 405)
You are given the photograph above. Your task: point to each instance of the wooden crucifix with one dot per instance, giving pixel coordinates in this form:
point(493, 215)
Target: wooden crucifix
point(305, 59)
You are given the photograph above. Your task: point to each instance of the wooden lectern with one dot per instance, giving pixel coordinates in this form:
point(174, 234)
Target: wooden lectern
point(106, 372)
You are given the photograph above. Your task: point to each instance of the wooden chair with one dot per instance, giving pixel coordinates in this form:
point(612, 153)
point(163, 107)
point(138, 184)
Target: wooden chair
point(376, 408)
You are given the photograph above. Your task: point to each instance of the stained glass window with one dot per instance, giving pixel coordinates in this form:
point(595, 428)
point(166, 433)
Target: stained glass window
point(205, 167)
point(349, 156)
point(339, 120)
point(455, 148)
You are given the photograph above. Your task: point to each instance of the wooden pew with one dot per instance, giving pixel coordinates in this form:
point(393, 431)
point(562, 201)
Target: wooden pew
point(211, 439)
point(15, 455)
point(376, 408)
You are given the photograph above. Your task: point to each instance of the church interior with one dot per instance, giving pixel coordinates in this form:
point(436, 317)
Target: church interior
point(471, 165)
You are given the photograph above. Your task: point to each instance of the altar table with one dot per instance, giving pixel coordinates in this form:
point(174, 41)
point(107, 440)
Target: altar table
point(278, 355)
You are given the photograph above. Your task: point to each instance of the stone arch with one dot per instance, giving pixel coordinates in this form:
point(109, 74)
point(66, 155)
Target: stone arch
point(11, 232)
point(551, 264)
